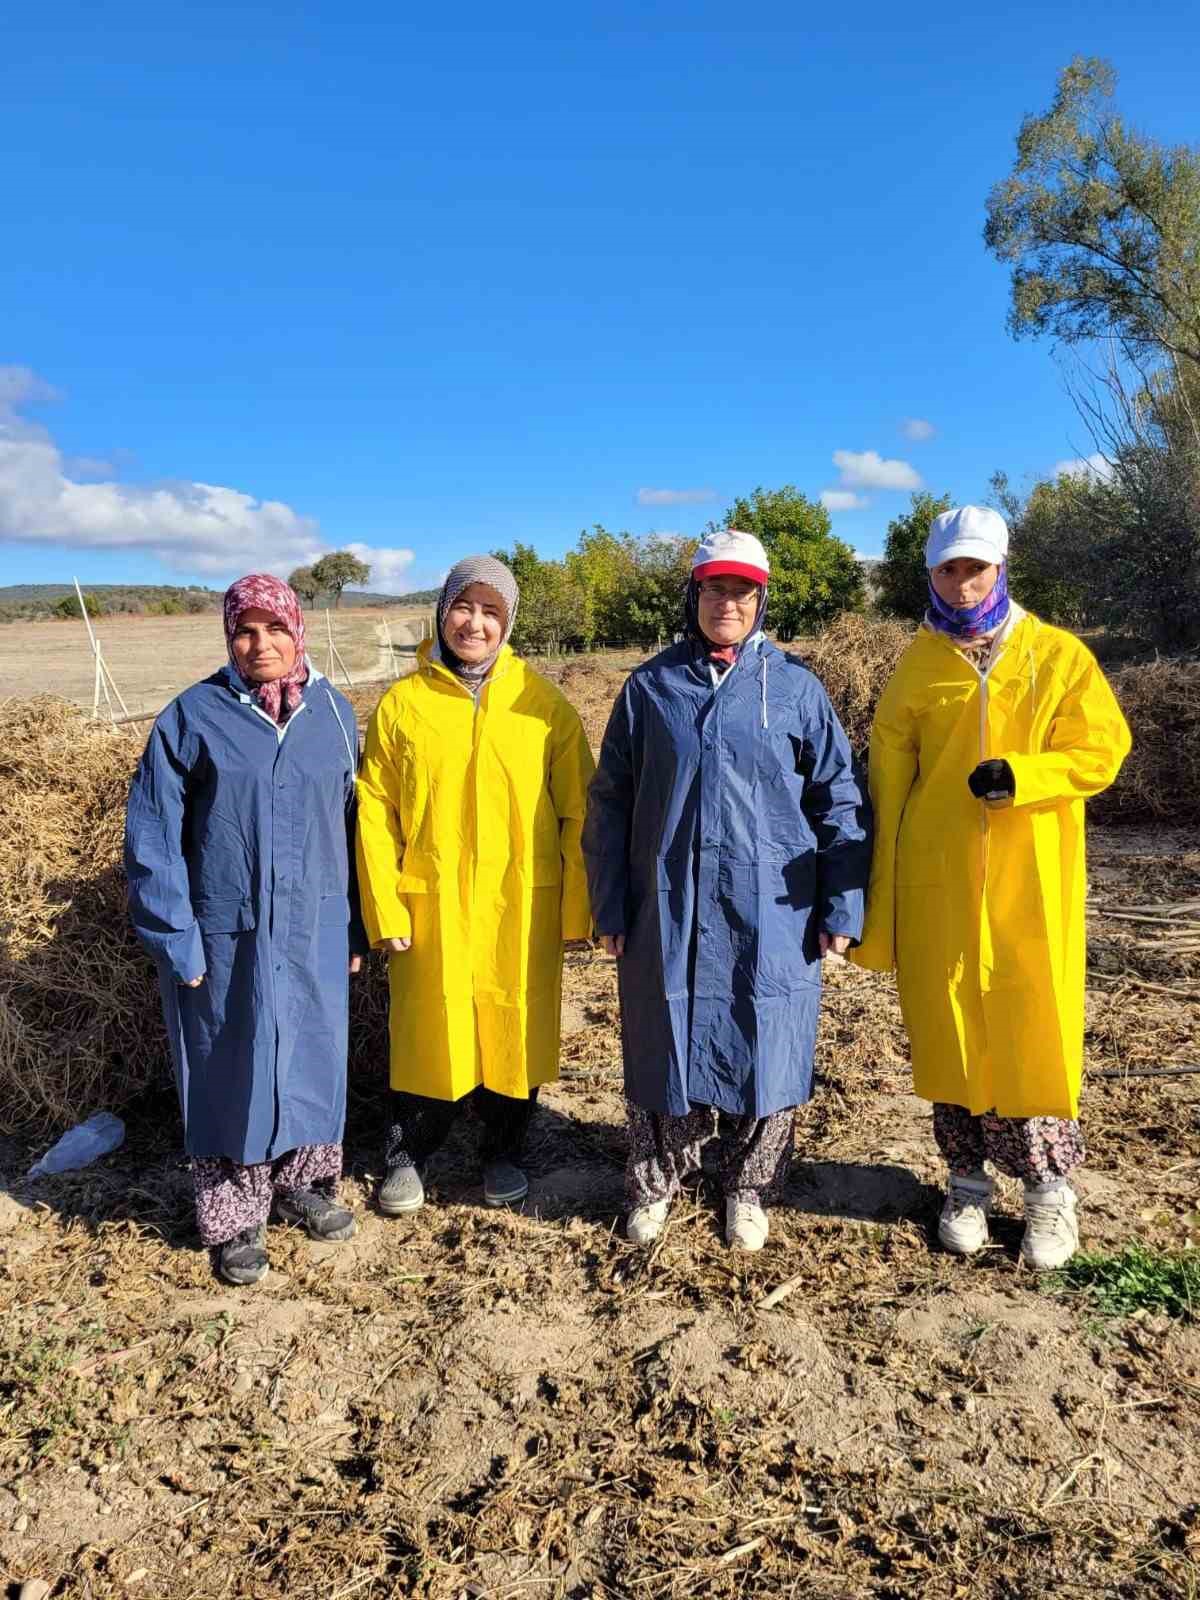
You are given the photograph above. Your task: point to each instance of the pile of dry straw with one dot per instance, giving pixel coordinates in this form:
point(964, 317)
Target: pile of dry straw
point(79, 1026)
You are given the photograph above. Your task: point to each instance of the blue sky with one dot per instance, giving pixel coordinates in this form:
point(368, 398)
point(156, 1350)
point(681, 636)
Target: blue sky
point(284, 278)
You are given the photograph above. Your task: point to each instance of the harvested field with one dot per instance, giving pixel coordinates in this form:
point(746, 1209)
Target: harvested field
point(472, 1403)
point(153, 658)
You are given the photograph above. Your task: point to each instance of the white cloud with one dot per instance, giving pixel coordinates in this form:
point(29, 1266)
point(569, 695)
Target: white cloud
point(388, 567)
point(867, 469)
point(843, 500)
point(1095, 466)
point(199, 528)
point(917, 429)
point(674, 497)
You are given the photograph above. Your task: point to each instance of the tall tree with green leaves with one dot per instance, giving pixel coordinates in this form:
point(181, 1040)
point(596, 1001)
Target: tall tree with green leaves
point(814, 576)
point(1101, 225)
point(333, 572)
point(303, 583)
point(902, 578)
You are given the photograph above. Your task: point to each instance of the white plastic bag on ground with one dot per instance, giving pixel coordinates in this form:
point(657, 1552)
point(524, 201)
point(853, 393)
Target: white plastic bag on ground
point(82, 1145)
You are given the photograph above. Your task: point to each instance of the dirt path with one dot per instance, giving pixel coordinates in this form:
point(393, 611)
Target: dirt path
point(479, 1403)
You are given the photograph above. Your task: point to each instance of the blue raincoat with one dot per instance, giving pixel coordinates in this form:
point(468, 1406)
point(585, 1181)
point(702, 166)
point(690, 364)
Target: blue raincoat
point(726, 829)
point(239, 854)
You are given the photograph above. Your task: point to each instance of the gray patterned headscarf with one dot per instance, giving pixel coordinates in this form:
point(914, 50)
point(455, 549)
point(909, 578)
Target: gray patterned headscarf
point(476, 569)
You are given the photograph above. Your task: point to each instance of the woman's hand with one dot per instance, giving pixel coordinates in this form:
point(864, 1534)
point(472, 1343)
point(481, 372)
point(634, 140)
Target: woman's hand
point(613, 944)
point(355, 965)
point(833, 944)
point(397, 946)
point(193, 983)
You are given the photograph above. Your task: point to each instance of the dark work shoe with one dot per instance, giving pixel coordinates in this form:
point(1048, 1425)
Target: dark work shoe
point(401, 1191)
point(243, 1259)
point(504, 1184)
point(319, 1216)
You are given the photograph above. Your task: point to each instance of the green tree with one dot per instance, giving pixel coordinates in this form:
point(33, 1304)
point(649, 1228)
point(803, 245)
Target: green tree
point(551, 611)
point(304, 584)
point(903, 578)
point(659, 584)
point(814, 576)
point(333, 572)
point(68, 607)
point(604, 565)
point(1101, 225)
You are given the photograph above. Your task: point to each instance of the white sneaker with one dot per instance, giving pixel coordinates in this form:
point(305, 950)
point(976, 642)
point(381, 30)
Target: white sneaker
point(962, 1226)
point(644, 1223)
point(1051, 1228)
point(746, 1225)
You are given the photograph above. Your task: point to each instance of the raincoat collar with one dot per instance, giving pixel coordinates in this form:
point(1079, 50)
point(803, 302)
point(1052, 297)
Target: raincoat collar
point(429, 660)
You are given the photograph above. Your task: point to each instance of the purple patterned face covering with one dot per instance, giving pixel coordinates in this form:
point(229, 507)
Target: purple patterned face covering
point(974, 620)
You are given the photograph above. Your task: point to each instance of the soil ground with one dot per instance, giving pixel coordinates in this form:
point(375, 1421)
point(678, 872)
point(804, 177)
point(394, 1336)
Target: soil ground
point(472, 1403)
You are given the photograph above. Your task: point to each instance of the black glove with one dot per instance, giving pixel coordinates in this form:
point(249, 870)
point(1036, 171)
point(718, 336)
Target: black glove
point(992, 780)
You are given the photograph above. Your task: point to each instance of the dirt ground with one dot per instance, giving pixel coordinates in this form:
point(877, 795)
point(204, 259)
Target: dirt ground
point(152, 658)
point(472, 1403)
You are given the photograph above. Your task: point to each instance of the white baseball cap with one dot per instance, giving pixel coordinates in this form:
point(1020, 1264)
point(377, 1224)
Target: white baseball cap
point(974, 531)
point(729, 550)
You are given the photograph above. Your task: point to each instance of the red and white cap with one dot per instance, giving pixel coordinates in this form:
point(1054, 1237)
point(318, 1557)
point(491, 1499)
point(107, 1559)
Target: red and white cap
point(729, 550)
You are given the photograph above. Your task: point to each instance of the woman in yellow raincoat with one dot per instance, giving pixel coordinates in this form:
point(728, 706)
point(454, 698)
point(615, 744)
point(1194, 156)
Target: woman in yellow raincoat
point(471, 799)
point(993, 731)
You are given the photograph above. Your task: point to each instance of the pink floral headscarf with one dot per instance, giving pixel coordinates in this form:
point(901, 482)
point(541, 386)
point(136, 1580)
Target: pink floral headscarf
point(259, 590)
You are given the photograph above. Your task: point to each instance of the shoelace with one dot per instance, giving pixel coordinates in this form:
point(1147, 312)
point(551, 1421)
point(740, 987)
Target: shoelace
point(1046, 1219)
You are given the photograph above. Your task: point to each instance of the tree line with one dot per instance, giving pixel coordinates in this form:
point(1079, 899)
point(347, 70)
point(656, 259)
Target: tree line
point(617, 588)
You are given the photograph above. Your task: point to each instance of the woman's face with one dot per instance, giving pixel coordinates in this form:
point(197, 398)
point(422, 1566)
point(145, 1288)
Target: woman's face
point(728, 606)
point(262, 647)
point(475, 623)
point(963, 582)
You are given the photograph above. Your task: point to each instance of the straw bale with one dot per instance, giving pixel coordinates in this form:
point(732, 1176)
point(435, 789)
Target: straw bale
point(79, 1008)
point(78, 1018)
point(1161, 778)
point(854, 658)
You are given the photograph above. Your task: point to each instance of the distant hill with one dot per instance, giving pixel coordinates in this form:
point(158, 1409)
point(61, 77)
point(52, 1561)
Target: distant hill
point(363, 597)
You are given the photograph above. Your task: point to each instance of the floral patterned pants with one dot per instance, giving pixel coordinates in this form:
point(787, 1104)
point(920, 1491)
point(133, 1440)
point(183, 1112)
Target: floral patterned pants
point(231, 1197)
point(1038, 1150)
point(752, 1161)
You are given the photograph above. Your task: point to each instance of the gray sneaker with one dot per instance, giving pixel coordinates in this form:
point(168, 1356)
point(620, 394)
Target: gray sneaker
point(243, 1259)
point(401, 1191)
point(504, 1184)
point(319, 1216)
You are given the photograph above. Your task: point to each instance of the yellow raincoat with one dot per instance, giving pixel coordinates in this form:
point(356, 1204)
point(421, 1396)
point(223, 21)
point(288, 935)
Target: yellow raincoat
point(980, 909)
point(469, 819)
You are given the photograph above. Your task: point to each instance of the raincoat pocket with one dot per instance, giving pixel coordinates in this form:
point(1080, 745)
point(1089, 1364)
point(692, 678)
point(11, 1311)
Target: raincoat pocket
point(783, 832)
point(547, 874)
point(413, 883)
point(335, 909)
point(228, 915)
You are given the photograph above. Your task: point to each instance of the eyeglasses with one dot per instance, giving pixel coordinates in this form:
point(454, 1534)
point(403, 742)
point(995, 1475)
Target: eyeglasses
point(741, 596)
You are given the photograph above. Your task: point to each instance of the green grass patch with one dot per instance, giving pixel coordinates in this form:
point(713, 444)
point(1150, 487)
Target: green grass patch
point(1118, 1283)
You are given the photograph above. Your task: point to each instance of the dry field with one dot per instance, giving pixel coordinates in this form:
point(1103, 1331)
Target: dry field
point(153, 658)
point(469, 1403)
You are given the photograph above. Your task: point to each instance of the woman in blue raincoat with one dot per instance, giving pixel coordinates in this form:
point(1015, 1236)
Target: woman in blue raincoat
point(239, 856)
point(727, 853)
